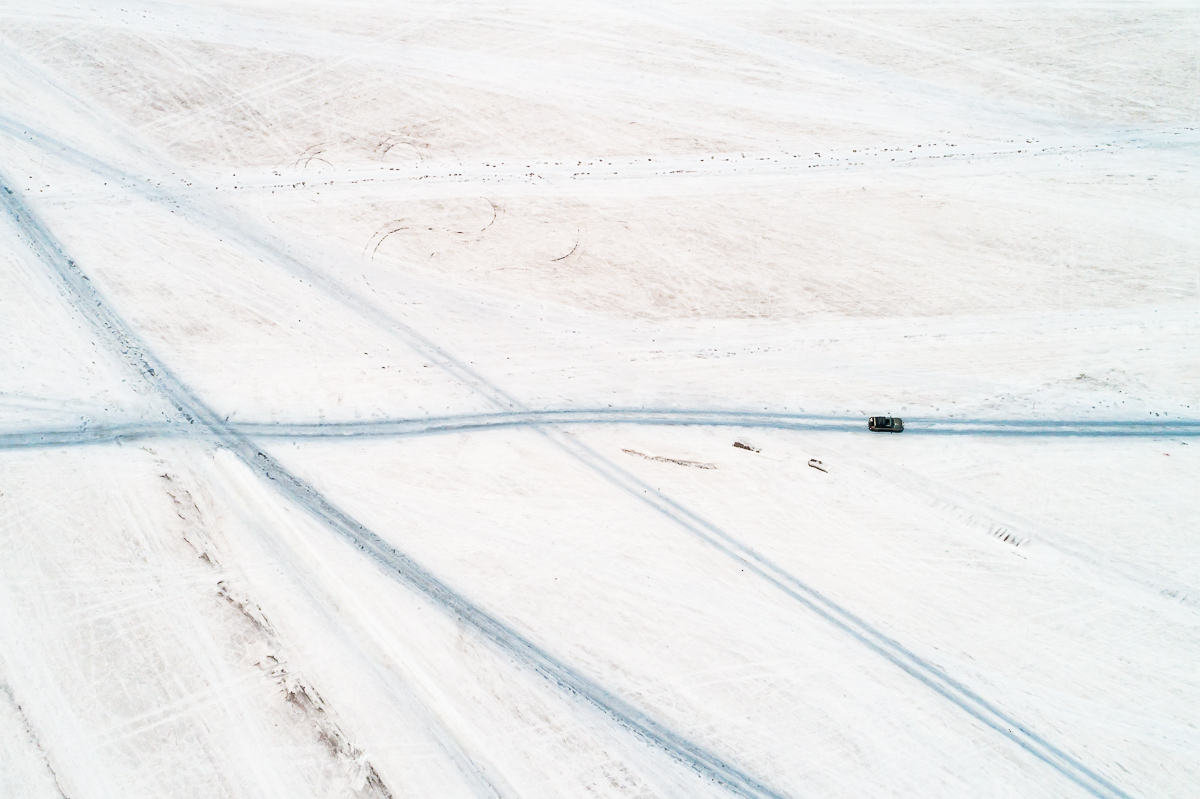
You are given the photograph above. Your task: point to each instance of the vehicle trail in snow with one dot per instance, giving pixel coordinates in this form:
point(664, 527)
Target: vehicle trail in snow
point(263, 243)
point(301, 492)
point(121, 337)
point(93, 434)
point(893, 651)
point(97, 433)
point(717, 418)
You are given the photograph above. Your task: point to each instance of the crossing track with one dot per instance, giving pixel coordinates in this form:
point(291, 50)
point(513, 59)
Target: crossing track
point(195, 415)
point(135, 173)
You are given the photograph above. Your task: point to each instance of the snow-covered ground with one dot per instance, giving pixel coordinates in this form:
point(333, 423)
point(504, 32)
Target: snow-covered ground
point(371, 375)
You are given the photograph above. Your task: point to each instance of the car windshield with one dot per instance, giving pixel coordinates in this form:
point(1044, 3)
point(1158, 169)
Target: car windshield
point(883, 421)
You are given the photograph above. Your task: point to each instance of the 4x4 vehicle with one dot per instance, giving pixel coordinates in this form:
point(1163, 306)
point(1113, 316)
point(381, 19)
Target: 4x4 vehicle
point(885, 424)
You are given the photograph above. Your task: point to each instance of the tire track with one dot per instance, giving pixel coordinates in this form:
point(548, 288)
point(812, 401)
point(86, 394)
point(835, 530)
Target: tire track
point(389, 428)
point(466, 423)
point(665, 417)
point(76, 437)
point(926, 673)
point(196, 415)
